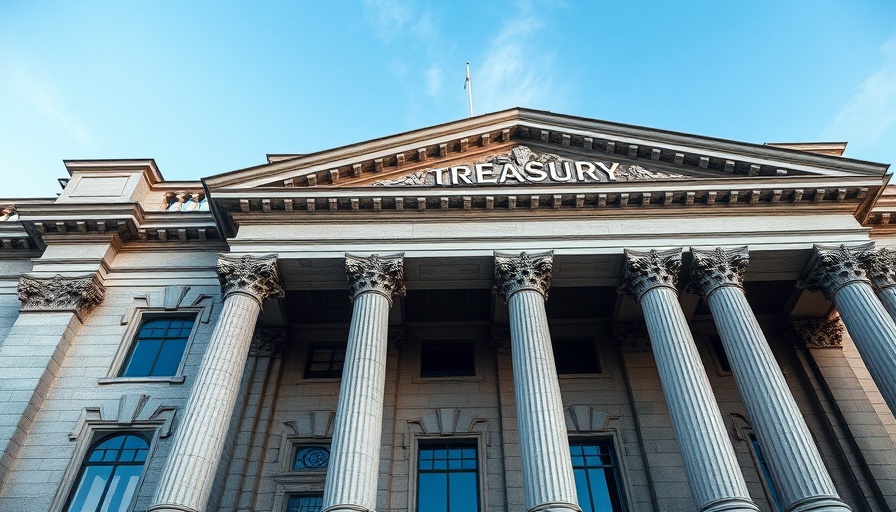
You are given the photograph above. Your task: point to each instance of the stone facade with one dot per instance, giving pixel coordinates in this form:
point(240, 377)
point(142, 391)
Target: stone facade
point(716, 316)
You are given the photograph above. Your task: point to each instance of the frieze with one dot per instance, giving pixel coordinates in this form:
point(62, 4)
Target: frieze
point(59, 293)
point(522, 272)
point(833, 267)
point(816, 333)
point(521, 165)
point(250, 275)
point(380, 274)
point(716, 268)
point(647, 270)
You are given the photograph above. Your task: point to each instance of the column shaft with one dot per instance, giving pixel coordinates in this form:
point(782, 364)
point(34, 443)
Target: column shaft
point(873, 332)
point(713, 471)
point(549, 484)
point(190, 472)
point(354, 461)
point(793, 458)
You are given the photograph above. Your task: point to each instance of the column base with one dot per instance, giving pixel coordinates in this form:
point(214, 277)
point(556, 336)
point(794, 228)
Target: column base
point(819, 504)
point(343, 508)
point(730, 505)
point(168, 507)
point(555, 506)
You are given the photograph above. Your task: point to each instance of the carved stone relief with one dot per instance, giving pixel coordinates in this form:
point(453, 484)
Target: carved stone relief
point(381, 274)
point(630, 337)
point(267, 342)
point(59, 293)
point(647, 270)
point(880, 266)
point(716, 268)
point(129, 410)
point(522, 272)
point(817, 333)
point(251, 275)
point(834, 267)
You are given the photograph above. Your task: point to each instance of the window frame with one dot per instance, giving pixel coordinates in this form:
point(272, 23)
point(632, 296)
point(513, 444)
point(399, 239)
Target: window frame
point(323, 345)
point(557, 340)
point(298, 482)
point(125, 347)
point(476, 439)
point(615, 440)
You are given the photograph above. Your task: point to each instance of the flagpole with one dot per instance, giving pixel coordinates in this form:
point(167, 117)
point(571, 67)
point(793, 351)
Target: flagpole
point(468, 85)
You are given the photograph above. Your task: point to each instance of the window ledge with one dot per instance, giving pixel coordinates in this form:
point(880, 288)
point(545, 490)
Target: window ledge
point(177, 379)
point(602, 375)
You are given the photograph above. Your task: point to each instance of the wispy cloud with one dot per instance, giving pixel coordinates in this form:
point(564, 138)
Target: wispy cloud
point(388, 17)
point(872, 110)
point(33, 84)
point(435, 77)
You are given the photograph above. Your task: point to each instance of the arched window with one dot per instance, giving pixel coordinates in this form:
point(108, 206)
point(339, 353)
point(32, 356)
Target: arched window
point(109, 474)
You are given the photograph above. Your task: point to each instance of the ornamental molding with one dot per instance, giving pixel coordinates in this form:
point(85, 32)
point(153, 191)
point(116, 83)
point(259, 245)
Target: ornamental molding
point(833, 267)
point(256, 276)
point(524, 271)
point(312, 424)
point(447, 422)
point(880, 267)
point(630, 337)
point(816, 333)
point(132, 410)
point(379, 274)
point(713, 269)
point(586, 418)
point(267, 342)
point(79, 294)
point(647, 270)
point(395, 341)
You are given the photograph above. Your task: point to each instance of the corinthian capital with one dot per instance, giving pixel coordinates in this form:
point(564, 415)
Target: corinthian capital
point(523, 271)
point(648, 270)
point(833, 267)
point(375, 273)
point(58, 293)
point(880, 266)
point(817, 333)
point(256, 276)
point(716, 268)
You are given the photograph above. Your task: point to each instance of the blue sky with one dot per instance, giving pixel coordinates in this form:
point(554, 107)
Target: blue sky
point(210, 87)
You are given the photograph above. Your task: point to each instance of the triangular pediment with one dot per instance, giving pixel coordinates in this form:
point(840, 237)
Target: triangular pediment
point(528, 147)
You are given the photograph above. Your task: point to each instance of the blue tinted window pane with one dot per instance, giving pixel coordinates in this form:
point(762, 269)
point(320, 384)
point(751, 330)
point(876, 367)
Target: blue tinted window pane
point(596, 476)
point(304, 504)
point(122, 489)
point(171, 353)
point(432, 492)
point(142, 358)
point(158, 348)
point(582, 490)
point(463, 495)
point(90, 488)
point(600, 490)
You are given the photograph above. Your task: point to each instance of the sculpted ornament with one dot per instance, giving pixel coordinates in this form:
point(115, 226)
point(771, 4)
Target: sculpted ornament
point(716, 268)
point(267, 342)
point(58, 293)
point(647, 270)
point(631, 337)
point(816, 333)
point(251, 275)
point(380, 274)
point(835, 267)
point(880, 266)
point(522, 272)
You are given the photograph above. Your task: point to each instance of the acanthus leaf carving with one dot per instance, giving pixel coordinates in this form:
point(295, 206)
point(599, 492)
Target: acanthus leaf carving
point(833, 267)
point(250, 275)
point(267, 342)
point(60, 293)
point(375, 273)
point(817, 333)
point(522, 272)
point(647, 270)
point(716, 268)
point(880, 266)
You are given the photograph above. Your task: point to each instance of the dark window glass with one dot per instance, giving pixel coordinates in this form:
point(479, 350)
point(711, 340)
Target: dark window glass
point(767, 475)
point(719, 350)
point(304, 504)
point(447, 478)
point(311, 457)
point(447, 359)
point(597, 476)
point(325, 363)
point(575, 355)
point(109, 474)
point(158, 348)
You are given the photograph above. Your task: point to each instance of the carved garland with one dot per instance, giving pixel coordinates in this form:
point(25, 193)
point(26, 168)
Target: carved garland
point(58, 293)
point(375, 273)
point(647, 270)
point(524, 272)
point(250, 275)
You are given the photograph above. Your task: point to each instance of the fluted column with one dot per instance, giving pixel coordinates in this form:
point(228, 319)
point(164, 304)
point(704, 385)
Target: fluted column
point(793, 458)
point(839, 274)
point(354, 454)
point(522, 280)
point(880, 265)
point(713, 472)
point(187, 479)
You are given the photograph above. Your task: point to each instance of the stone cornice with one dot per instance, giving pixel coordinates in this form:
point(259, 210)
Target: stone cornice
point(880, 267)
point(375, 273)
point(255, 276)
point(833, 267)
point(78, 294)
point(647, 270)
point(715, 268)
point(523, 271)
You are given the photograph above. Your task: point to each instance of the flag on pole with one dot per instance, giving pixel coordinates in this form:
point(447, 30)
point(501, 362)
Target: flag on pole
point(468, 86)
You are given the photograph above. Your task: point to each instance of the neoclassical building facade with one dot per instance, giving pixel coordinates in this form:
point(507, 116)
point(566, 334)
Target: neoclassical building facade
point(520, 311)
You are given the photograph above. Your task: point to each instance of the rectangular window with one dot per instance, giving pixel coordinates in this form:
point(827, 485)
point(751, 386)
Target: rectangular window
point(448, 478)
point(304, 503)
point(447, 359)
point(158, 347)
point(325, 363)
point(575, 356)
point(597, 476)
